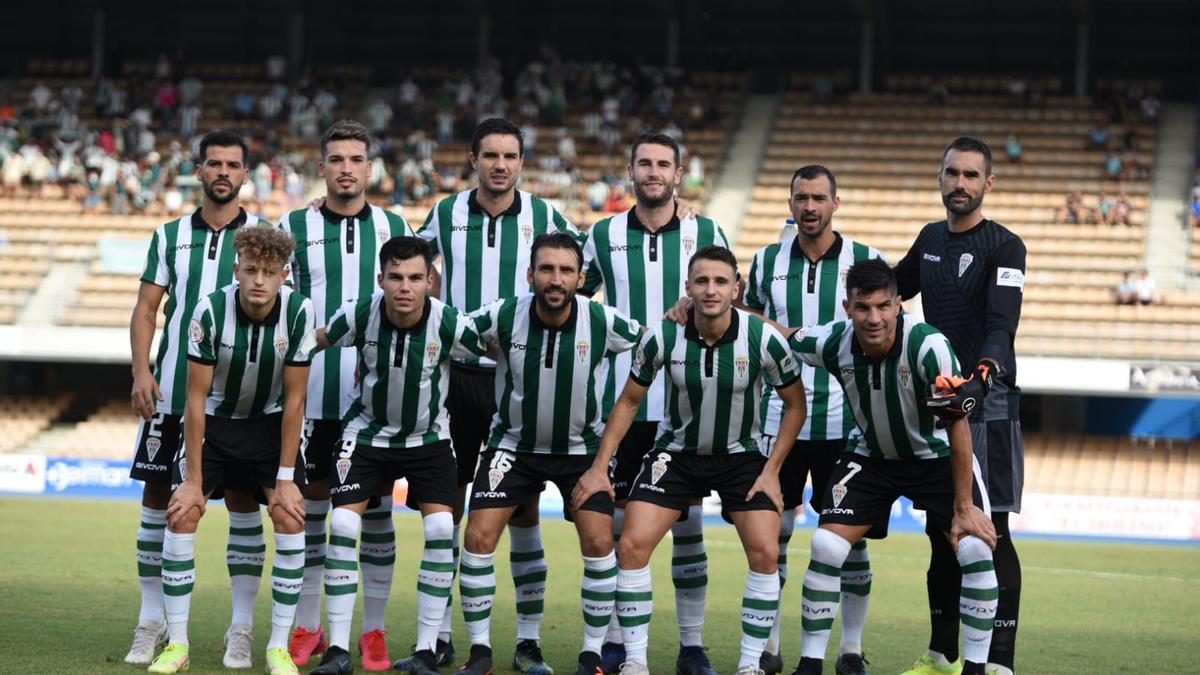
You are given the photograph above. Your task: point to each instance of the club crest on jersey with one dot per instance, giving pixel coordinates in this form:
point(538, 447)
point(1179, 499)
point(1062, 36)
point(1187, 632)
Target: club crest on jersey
point(343, 469)
point(842, 276)
point(527, 232)
point(839, 493)
point(183, 466)
point(581, 348)
point(281, 345)
point(689, 242)
point(742, 364)
point(152, 446)
point(382, 234)
point(431, 350)
point(964, 261)
point(659, 467)
point(195, 331)
point(903, 374)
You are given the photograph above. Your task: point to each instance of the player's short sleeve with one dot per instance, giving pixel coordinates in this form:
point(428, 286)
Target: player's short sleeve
point(593, 278)
point(623, 332)
point(779, 366)
point(202, 347)
point(398, 225)
point(460, 335)
point(808, 343)
point(487, 320)
point(156, 271)
point(648, 357)
point(301, 341)
point(342, 329)
point(935, 356)
point(562, 224)
point(719, 238)
point(432, 226)
point(284, 225)
point(755, 291)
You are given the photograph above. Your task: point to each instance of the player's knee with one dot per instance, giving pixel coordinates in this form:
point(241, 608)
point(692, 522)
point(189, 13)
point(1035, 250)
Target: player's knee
point(439, 526)
point(479, 540)
point(285, 523)
point(596, 544)
point(829, 547)
point(186, 523)
point(633, 554)
point(971, 550)
point(764, 557)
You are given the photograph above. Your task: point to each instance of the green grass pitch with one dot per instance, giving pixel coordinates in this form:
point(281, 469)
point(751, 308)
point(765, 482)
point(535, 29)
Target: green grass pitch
point(69, 598)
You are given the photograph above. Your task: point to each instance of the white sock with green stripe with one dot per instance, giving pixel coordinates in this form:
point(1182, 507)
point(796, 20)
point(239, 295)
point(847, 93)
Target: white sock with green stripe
point(245, 556)
point(377, 556)
point(341, 575)
point(635, 604)
point(614, 626)
point(448, 617)
point(760, 603)
point(689, 573)
point(287, 576)
point(598, 595)
point(149, 563)
point(822, 591)
point(308, 610)
point(178, 579)
point(787, 525)
point(856, 596)
point(435, 577)
point(477, 587)
point(528, 562)
point(977, 598)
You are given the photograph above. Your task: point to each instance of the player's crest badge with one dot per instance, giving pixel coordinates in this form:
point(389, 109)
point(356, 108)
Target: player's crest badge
point(431, 350)
point(527, 232)
point(842, 276)
point(581, 349)
point(382, 234)
point(183, 466)
point(494, 478)
point(689, 243)
point(195, 331)
point(639, 359)
point(903, 369)
point(659, 467)
point(742, 364)
point(839, 493)
point(964, 261)
point(152, 446)
point(281, 345)
point(343, 469)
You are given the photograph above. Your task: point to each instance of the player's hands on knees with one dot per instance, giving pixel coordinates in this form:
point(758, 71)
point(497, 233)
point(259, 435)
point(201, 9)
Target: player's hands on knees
point(145, 394)
point(186, 497)
point(286, 502)
point(592, 481)
point(679, 313)
point(972, 520)
point(768, 484)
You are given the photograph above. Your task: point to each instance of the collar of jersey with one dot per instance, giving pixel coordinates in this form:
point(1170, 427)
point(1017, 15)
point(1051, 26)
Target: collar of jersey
point(238, 221)
point(834, 251)
point(893, 353)
point(364, 214)
point(692, 333)
point(568, 326)
point(415, 328)
point(272, 316)
point(633, 222)
point(513, 209)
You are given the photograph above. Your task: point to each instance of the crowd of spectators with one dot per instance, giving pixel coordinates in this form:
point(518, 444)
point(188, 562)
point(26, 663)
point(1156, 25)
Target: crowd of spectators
point(1107, 211)
point(1138, 289)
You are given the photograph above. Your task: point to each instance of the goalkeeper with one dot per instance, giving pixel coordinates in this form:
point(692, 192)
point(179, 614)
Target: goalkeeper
point(970, 273)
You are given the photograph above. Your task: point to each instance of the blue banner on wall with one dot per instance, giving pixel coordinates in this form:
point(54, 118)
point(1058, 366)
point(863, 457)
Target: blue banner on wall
point(90, 478)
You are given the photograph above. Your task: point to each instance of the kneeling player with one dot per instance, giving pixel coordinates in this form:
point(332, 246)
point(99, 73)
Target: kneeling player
point(715, 367)
point(396, 429)
point(249, 347)
point(550, 345)
point(888, 366)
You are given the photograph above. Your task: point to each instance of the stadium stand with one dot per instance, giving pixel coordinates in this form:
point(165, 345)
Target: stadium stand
point(24, 417)
point(1112, 466)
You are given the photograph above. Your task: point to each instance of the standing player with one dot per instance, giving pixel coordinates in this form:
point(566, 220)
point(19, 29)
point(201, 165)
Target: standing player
point(396, 428)
point(970, 273)
point(336, 261)
point(708, 440)
point(483, 236)
point(888, 367)
point(640, 257)
point(189, 258)
point(551, 344)
point(248, 347)
point(801, 281)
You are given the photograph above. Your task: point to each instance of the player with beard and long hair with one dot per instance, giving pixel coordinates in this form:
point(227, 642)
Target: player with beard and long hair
point(188, 259)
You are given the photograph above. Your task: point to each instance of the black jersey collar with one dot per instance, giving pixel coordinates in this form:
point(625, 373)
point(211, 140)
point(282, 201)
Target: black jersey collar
point(238, 220)
point(474, 206)
point(568, 326)
point(832, 253)
point(692, 333)
point(415, 328)
point(272, 316)
point(893, 353)
point(634, 223)
point(334, 217)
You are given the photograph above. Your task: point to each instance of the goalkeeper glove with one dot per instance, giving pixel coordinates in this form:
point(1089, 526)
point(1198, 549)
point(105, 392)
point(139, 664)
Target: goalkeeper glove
point(954, 398)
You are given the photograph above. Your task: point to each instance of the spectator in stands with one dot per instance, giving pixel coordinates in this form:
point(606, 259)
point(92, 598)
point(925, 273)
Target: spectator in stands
point(379, 116)
point(597, 195)
point(1122, 211)
point(1105, 206)
point(1100, 135)
point(566, 145)
point(189, 118)
point(1126, 292)
point(1196, 203)
point(1073, 211)
point(1147, 292)
point(938, 92)
point(1112, 165)
point(1012, 147)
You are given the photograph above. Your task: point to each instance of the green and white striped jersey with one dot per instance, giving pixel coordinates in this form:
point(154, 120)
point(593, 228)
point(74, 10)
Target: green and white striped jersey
point(485, 259)
point(643, 274)
point(713, 392)
point(886, 396)
point(191, 260)
point(546, 377)
point(337, 261)
point(795, 291)
point(406, 372)
point(248, 356)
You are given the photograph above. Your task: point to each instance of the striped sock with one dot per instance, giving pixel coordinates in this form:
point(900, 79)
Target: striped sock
point(822, 591)
point(341, 575)
point(787, 525)
point(856, 596)
point(245, 556)
point(635, 604)
point(689, 573)
point(760, 603)
point(598, 596)
point(477, 588)
point(149, 563)
point(614, 626)
point(434, 578)
point(528, 562)
point(977, 599)
point(178, 579)
point(378, 559)
point(447, 617)
point(308, 611)
point(287, 576)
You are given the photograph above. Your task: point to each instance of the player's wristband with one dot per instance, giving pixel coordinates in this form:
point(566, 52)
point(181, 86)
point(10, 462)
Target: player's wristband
point(286, 473)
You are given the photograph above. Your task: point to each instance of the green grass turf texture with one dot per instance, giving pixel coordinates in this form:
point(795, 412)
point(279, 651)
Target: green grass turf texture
point(69, 598)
